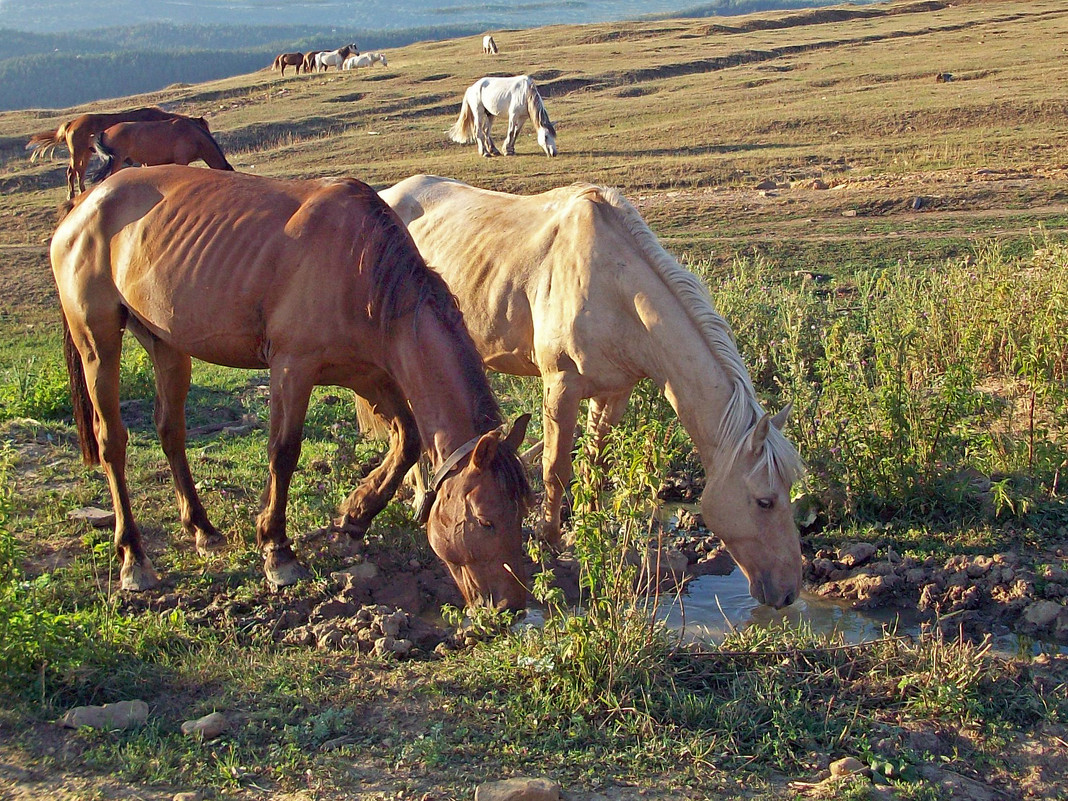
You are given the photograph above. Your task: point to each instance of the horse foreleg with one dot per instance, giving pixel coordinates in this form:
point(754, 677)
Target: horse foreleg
point(381, 484)
point(604, 413)
point(291, 388)
point(560, 407)
point(173, 369)
point(515, 125)
point(100, 344)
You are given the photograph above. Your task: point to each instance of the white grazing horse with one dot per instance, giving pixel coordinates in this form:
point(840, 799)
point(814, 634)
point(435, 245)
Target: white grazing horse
point(334, 58)
point(488, 45)
point(571, 285)
point(364, 60)
point(487, 98)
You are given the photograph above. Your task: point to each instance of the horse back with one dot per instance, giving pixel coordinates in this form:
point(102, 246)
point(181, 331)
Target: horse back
point(521, 267)
point(227, 267)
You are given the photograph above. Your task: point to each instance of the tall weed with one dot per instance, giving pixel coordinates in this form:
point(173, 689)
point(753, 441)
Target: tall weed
point(917, 389)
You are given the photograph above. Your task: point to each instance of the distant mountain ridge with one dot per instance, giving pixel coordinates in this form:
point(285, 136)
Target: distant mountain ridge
point(44, 68)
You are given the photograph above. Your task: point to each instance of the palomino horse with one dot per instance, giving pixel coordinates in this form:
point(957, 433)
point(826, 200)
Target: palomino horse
point(334, 58)
point(319, 282)
point(152, 143)
point(488, 97)
point(309, 60)
point(489, 47)
point(288, 60)
point(572, 285)
point(78, 135)
point(364, 60)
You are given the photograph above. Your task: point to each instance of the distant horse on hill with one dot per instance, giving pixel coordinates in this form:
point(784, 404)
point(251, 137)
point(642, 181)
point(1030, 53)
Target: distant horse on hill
point(309, 60)
point(288, 60)
point(153, 143)
point(487, 98)
point(364, 60)
point(78, 135)
point(334, 58)
point(489, 46)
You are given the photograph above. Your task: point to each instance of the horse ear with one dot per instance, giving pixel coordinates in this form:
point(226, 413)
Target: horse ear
point(779, 420)
point(518, 431)
point(485, 450)
point(760, 433)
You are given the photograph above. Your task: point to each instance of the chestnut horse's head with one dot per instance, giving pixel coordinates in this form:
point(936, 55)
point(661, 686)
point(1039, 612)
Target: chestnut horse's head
point(475, 523)
point(747, 505)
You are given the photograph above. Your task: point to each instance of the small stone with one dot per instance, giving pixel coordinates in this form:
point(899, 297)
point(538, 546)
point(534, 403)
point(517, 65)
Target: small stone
point(519, 790)
point(206, 728)
point(767, 184)
point(857, 554)
point(1042, 613)
point(384, 645)
point(97, 518)
point(196, 795)
point(849, 213)
point(847, 766)
point(120, 715)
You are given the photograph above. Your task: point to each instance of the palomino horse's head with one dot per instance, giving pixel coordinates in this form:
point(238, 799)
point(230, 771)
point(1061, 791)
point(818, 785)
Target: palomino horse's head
point(748, 507)
point(475, 523)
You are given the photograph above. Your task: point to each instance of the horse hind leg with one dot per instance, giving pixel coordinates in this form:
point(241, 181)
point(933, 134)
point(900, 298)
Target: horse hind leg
point(172, 370)
point(99, 341)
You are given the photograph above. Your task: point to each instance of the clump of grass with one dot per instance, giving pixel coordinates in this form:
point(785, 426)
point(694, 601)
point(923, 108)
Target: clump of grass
point(918, 390)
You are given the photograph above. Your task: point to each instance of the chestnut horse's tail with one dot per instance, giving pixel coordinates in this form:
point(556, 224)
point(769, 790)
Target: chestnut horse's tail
point(463, 130)
point(79, 398)
point(42, 144)
point(107, 154)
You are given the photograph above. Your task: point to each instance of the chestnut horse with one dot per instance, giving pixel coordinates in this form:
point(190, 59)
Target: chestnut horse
point(77, 135)
point(152, 143)
point(572, 285)
point(284, 60)
point(319, 282)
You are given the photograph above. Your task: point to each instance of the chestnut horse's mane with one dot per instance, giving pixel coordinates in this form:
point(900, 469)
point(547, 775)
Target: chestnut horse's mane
point(403, 285)
point(743, 409)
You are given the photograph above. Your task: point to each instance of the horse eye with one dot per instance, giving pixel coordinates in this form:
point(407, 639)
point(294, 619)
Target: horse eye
point(483, 523)
point(765, 503)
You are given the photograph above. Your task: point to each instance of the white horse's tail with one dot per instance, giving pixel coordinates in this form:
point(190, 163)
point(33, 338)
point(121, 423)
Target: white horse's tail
point(463, 130)
point(536, 110)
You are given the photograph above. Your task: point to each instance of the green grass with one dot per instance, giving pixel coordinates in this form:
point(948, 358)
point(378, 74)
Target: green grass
point(912, 343)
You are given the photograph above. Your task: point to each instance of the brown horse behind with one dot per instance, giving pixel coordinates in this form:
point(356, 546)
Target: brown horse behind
point(319, 282)
point(288, 60)
point(77, 135)
point(149, 144)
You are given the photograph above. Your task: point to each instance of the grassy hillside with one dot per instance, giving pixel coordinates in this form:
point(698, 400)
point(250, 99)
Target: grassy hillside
point(900, 276)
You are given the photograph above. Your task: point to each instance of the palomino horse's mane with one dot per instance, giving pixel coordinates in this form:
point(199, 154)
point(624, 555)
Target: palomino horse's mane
point(743, 410)
point(403, 284)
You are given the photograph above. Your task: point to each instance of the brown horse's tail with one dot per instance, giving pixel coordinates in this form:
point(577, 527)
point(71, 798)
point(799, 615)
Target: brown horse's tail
point(79, 398)
point(107, 154)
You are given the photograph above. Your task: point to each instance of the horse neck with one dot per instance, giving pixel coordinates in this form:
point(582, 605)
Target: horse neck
point(441, 376)
point(686, 348)
point(213, 155)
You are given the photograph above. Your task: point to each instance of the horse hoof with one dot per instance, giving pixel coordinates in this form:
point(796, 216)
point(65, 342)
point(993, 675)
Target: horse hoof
point(354, 530)
point(282, 568)
point(209, 542)
point(138, 577)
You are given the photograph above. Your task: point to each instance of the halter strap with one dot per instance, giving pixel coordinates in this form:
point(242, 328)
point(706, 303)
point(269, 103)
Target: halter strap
point(453, 460)
point(423, 512)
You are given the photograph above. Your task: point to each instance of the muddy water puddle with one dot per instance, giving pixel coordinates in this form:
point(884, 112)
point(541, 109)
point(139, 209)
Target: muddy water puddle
point(711, 606)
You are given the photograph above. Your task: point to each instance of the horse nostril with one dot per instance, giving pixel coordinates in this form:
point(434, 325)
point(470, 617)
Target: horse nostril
point(791, 596)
